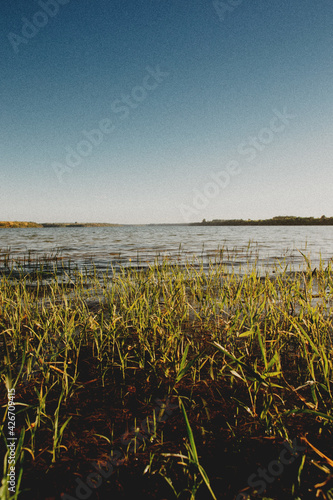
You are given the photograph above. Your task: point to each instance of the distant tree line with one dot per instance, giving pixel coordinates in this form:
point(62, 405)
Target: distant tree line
point(280, 220)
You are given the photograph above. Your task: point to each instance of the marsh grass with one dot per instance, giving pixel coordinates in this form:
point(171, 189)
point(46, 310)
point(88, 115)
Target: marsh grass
point(247, 355)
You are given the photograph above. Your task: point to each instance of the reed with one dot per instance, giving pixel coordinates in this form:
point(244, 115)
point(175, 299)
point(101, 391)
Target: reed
point(252, 351)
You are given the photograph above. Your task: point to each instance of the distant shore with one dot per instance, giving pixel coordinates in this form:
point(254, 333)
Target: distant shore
point(275, 221)
point(16, 224)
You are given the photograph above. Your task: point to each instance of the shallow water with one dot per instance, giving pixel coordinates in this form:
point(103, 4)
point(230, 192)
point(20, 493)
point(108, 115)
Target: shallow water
point(141, 245)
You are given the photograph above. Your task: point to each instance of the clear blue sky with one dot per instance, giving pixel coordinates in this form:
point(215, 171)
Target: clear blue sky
point(181, 92)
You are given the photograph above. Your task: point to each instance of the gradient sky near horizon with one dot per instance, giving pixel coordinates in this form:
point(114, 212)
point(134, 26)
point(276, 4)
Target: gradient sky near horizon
point(185, 88)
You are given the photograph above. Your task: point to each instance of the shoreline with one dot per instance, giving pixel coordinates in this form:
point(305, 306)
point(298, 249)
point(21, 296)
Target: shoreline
point(274, 221)
point(19, 224)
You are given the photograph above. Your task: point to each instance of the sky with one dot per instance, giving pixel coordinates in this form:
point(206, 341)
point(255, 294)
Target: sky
point(165, 111)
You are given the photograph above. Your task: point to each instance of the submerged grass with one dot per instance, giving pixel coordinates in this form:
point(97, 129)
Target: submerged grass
point(248, 358)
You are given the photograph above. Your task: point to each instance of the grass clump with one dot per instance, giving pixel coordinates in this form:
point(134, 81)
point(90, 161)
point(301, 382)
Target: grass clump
point(246, 357)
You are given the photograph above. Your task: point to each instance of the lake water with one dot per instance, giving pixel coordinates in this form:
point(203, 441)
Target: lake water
point(140, 245)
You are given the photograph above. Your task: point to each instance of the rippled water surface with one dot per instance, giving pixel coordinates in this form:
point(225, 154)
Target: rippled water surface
point(140, 245)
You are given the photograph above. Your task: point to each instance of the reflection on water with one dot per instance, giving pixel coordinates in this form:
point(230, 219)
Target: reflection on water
point(141, 245)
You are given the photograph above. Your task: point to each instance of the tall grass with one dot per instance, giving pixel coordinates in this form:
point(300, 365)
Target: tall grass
point(269, 336)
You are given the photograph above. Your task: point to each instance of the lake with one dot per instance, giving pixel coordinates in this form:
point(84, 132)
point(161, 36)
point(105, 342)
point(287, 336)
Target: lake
point(140, 245)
